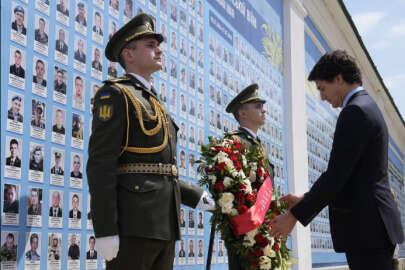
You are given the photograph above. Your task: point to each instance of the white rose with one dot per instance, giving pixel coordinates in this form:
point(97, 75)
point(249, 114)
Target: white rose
point(212, 178)
point(269, 252)
point(241, 174)
point(226, 200)
point(252, 175)
point(227, 181)
point(246, 182)
point(265, 263)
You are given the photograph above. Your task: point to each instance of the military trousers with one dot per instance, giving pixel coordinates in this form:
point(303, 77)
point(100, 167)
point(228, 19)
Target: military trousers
point(143, 254)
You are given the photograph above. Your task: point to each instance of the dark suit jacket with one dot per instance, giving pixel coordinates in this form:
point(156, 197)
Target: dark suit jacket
point(64, 48)
point(139, 205)
point(59, 8)
point(79, 214)
point(20, 72)
point(14, 27)
point(43, 39)
point(17, 162)
point(88, 257)
point(80, 57)
point(43, 83)
point(362, 210)
point(58, 214)
point(100, 31)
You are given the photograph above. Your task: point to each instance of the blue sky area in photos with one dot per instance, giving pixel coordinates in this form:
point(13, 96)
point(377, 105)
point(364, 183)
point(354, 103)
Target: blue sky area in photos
point(381, 25)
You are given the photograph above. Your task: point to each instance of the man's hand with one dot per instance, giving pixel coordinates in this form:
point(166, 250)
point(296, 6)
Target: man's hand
point(206, 202)
point(291, 200)
point(282, 225)
point(108, 246)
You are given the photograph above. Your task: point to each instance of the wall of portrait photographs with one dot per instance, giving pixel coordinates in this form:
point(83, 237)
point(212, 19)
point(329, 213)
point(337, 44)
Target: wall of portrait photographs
point(320, 130)
point(55, 50)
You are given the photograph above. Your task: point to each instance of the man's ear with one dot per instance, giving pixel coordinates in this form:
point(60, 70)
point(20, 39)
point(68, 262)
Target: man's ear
point(339, 79)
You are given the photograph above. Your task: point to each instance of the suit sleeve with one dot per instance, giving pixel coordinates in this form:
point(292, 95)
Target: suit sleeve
point(190, 195)
point(104, 151)
point(351, 136)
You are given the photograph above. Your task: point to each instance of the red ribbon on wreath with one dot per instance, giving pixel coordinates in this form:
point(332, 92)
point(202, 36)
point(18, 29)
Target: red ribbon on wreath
point(254, 217)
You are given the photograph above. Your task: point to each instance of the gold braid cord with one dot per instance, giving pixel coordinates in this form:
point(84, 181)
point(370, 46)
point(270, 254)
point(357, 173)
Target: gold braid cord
point(160, 116)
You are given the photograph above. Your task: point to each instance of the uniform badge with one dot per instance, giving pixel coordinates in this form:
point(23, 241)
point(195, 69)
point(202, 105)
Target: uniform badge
point(105, 112)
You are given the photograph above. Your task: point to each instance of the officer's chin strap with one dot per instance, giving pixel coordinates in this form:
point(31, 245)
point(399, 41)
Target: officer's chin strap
point(160, 116)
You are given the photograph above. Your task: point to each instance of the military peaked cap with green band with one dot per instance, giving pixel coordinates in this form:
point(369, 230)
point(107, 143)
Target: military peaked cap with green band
point(141, 26)
point(247, 95)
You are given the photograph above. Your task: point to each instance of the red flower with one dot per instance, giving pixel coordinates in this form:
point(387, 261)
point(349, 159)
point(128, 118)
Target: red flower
point(207, 170)
point(221, 167)
point(260, 162)
point(242, 187)
point(250, 197)
point(242, 209)
point(255, 264)
point(227, 150)
point(234, 157)
point(236, 145)
point(259, 172)
point(218, 148)
point(240, 198)
point(219, 186)
point(238, 166)
point(276, 247)
point(261, 240)
point(258, 252)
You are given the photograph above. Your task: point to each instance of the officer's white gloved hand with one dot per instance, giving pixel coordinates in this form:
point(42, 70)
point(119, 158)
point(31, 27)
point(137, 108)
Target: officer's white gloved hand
point(108, 247)
point(206, 202)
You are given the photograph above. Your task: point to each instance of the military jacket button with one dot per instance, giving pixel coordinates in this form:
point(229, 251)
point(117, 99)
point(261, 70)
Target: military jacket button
point(136, 187)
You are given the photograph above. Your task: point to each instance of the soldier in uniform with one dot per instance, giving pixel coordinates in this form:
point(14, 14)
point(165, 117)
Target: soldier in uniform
point(247, 108)
point(131, 169)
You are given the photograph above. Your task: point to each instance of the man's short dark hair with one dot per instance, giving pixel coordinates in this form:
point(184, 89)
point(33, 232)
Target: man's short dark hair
point(39, 61)
point(130, 45)
point(41, 19)
point(92, 238)
point(17, 51)
point(13, 141)
point(10, 235)
point(34, 235)
point(59, 71)
point(75, 196)
point(334, 63)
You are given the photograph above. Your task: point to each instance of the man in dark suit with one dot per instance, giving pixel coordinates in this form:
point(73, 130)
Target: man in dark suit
point(75, 212)
point(142, 209)
point(55, 210)
point(80, 54)
point(59, 84)
point(40, 34)
point(91, 254)
point(61, 7)
point(97, 28)
point(18, 24)
point(13, 159)
point(61, 45)
point(364, 219)
point(16, 69)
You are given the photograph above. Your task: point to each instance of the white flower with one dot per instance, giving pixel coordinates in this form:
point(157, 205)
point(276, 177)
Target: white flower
point(244, 161)
point(226, 200)
point(212, 178)
point(227, 181)
point(265, 262)
point(269, 252)
point(249, 239)
point(241, 174)
point(271, 241)
point(252, 175)
point(246, 182)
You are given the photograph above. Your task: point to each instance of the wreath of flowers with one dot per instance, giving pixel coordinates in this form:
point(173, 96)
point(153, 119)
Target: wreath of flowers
point(234, 174)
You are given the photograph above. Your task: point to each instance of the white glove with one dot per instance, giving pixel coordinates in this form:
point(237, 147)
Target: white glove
point(206, 202)
point(108, 246)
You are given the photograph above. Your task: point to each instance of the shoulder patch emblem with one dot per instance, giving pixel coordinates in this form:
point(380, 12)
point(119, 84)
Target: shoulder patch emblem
point(105, 95)
point(105, 112)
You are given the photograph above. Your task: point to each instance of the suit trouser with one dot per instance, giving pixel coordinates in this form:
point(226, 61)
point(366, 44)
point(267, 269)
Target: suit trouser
point(143, 254)
point(234, 261)
point(371, 259)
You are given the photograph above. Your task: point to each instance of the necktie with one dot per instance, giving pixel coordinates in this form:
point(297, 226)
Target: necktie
point(54, 212)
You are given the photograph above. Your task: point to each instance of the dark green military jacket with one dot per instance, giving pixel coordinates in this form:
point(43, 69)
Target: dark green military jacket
point(248, 140)
point(142, 205)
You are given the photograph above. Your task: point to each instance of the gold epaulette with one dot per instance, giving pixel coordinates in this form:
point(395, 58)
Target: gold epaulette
point(117, 80)
point(233, 132)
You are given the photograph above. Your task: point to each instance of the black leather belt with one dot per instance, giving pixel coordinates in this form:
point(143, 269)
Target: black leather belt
point(152, 168)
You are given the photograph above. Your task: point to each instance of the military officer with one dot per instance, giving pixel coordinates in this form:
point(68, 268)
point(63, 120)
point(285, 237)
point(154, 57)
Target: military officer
point(247, 108)
point(131, 169)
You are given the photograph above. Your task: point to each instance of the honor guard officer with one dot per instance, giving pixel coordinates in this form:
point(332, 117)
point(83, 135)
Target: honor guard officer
point(247, 108)
point(131, 169)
